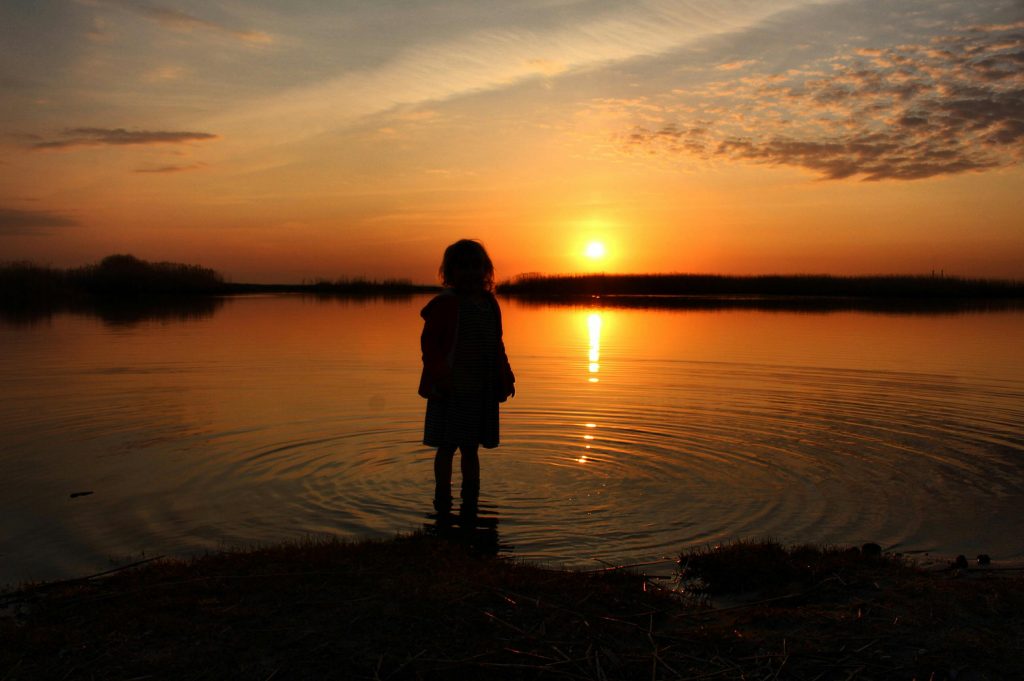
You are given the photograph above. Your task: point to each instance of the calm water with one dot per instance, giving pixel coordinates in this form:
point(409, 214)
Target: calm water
point(634, 433)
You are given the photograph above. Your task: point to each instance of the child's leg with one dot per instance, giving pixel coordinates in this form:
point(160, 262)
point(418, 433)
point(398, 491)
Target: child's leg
point(470, 463)
point(443, 476)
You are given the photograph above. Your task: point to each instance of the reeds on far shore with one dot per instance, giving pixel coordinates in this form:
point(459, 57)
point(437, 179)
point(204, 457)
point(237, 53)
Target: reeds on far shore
point(365, 286)
point(425, 608)
point(885, 286)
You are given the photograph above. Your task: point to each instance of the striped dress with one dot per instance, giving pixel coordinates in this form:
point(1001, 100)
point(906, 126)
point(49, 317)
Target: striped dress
point(469, 414)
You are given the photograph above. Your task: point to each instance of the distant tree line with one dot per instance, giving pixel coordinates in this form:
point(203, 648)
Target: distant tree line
point(125, 278)
point(114, 277)
point(893, 286)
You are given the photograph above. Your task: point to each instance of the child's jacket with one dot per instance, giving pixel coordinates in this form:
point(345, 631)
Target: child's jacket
point(437, 342)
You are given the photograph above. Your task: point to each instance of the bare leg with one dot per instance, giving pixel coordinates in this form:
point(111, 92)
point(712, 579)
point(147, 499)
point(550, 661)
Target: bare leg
point(443, 477)
point(470, 463)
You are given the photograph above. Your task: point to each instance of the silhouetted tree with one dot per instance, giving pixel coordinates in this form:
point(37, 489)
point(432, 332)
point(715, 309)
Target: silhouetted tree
point(125, 276)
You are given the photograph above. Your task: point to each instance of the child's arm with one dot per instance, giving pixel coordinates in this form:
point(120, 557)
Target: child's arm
point(436, 343)
point(506, 379)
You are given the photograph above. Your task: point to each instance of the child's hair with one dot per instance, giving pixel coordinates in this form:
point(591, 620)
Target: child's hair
point(466, 266)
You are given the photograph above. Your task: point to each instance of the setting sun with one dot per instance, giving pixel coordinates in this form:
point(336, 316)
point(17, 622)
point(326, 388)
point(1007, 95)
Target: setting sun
point(594, 250)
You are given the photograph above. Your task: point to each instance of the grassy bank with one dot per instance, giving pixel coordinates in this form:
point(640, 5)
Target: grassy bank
point(425, 608)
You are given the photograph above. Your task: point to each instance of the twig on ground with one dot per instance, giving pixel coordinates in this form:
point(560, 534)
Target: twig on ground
point(612, 567)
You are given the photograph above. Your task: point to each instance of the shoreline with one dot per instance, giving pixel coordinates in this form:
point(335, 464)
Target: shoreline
point(662, 569)
point(129, 310)
point(125, 278)
point(773, 303)
point(822, 285)
point(432, 608)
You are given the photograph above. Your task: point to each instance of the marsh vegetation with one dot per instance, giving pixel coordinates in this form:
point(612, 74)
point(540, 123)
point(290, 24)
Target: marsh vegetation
point(423, 608)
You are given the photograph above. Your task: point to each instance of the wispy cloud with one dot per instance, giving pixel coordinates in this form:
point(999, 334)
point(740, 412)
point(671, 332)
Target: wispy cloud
point(94, 137)
point(492, 58)
point(177, 20)
point(736, 65)
point(15, 222)
point(172, 169)
point(906, 112)
point(164, 74)
point(997, 28)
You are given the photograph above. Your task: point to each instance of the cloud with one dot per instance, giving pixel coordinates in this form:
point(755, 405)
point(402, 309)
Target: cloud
point(176, 20)
point(913, 111)
point(736, 65)
point(494, 58)
point(547, 67)
point(96, 137)
point(164, 74)
point(992, 28)
point(14, 222)
point(172, 169)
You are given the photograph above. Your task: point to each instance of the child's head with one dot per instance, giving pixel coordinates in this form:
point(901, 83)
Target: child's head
point(467, 267)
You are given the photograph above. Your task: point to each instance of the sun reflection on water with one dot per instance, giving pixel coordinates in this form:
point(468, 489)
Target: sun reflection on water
point(594, 326)
point(593, 367)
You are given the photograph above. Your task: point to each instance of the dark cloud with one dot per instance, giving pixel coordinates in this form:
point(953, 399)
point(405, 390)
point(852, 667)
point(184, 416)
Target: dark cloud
point(93, 137)
point(937, 137)
point(22, 138)
point(908, 112)
point(21, 222)
point(875, 157)
point(998, 68)
point(692, 139)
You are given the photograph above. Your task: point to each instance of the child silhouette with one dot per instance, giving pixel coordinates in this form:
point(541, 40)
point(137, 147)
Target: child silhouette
point(466, 372)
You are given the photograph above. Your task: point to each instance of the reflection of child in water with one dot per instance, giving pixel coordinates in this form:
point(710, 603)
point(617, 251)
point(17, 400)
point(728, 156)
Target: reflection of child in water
point(465, 369)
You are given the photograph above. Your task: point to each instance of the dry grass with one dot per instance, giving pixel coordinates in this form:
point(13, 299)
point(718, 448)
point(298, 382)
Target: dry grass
point(423, 608)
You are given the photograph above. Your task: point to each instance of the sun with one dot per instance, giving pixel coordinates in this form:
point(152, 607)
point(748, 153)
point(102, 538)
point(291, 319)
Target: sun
point(595, 250)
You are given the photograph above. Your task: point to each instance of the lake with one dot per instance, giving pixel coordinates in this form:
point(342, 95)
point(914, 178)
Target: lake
point(634, 432)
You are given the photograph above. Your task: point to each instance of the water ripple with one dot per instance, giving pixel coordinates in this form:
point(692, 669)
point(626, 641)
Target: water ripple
point(658, 454)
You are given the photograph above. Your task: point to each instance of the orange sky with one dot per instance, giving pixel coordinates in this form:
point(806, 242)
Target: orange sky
point(281, 141)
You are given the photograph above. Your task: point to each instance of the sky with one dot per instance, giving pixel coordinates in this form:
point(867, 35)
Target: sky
point(290, 141)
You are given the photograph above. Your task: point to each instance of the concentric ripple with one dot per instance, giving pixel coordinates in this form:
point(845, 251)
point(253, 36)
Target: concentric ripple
point(621, 448)
point(729, 451)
